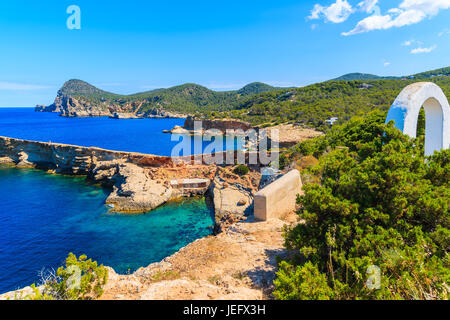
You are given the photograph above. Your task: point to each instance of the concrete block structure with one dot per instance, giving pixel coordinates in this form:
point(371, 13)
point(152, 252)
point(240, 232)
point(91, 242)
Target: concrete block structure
point(191, 186)
point(279, 197)
point(405, 112)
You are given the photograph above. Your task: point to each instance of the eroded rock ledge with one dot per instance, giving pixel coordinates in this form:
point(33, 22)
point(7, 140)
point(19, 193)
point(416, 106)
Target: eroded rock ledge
point(138, 182)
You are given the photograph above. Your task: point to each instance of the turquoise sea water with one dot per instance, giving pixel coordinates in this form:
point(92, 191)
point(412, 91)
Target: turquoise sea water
point(44, 217)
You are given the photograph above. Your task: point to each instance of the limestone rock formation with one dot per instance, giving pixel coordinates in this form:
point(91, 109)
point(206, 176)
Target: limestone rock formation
point(160, 113)
point(69, 106)
point(178, 130)
point(139, 182)
point(221, 125)
point(230, 199)
point(135, 191)
point(78, 106)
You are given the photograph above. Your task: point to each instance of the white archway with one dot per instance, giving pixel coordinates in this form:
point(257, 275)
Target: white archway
point(406, 108)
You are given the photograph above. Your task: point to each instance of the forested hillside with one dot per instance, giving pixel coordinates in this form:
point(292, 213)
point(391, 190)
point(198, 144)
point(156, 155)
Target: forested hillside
point(186, 98)
point(257, 103)
point(361, 76)
point(312, 105)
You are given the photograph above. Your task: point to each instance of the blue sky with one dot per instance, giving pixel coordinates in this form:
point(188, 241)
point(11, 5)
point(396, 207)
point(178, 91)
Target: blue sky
point(131, 46)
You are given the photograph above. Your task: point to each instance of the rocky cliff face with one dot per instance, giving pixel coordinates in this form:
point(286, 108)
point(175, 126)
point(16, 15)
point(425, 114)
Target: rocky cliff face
point(70, 106)
point(79, 106)
point(127, 174)
point(160, 113)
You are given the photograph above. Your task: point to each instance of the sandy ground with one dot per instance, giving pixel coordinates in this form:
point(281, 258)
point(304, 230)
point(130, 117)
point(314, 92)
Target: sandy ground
point(290, 135)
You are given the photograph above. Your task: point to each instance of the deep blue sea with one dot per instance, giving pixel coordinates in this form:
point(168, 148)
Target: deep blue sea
point(134, 135)
point(44, 217)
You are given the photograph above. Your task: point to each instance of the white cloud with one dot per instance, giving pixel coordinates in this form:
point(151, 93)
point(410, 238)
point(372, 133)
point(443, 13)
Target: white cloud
point(423, 50)
point(386, 64)
point(337, 12)
point(370, 23)
point(429, 7)
point(443, 32)
point(20, 86)
point(409, 12)
point(368, 6)
point(407, 43)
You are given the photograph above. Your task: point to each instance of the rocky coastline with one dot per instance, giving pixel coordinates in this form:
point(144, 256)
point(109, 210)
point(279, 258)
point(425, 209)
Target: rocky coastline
point(67, 105)
point(238, 262)
point(138, 182)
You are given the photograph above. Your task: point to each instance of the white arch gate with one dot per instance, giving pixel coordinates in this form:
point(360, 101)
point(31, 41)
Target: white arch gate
point(406, 108)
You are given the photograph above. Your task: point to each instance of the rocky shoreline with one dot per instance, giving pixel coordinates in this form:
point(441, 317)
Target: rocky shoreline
point(237, 264)
point(138, 182)
point(78, 106)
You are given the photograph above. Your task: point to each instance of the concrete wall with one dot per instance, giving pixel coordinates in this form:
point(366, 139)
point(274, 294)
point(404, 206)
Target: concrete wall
point(405, 111)
point(279, 197)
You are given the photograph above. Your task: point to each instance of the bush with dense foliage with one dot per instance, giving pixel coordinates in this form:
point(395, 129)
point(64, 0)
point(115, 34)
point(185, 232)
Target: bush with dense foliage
point(241, 170)
point(373, 201)
point(80, 279)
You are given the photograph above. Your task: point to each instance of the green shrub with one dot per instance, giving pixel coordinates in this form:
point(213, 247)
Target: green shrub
point(241, 170)
point(377, 202)
point(80, 279)
point(301, 283)
point(35, 295)
point(283, 161)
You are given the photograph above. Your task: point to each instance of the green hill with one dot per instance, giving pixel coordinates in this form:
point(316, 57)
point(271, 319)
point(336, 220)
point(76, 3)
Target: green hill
point(360, 76)
point(186, 98)
point(368, 76)
point(312, 105)
point(434, 73)
point(81, 88)
point(257, 103)
point(255, 88)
